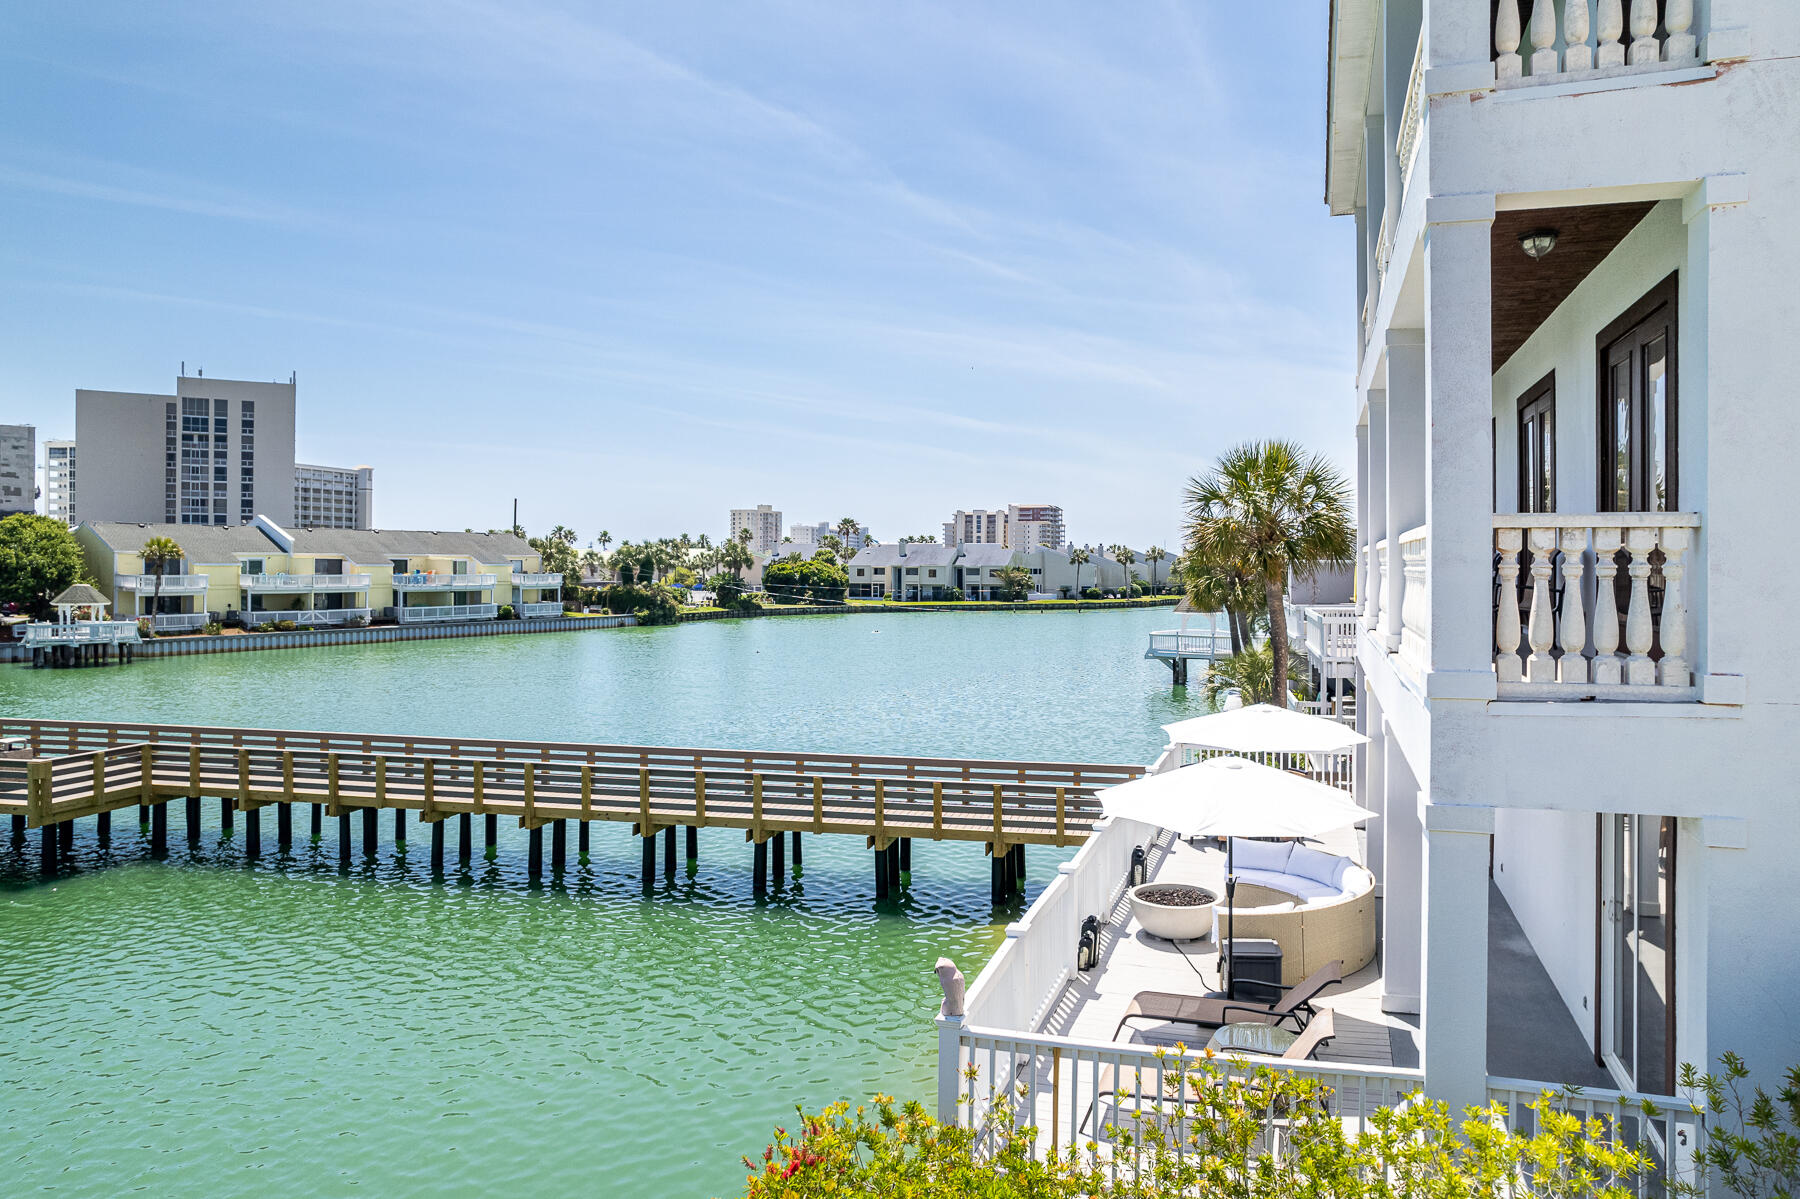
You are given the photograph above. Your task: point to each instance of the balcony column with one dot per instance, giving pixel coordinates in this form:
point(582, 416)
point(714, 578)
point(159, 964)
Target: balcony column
point(1407, 467)
point(1453, 1013)
point(1459, 468)
point(1402, 904)
point(1375, 473)
point(1370, 779)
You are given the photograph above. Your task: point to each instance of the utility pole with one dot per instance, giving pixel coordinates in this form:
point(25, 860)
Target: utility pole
point(515, 523)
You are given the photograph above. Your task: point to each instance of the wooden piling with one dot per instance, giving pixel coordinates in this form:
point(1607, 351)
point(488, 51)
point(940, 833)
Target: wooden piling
point(669, 852)
point(759, 881)
point(997, 877)
point(400, 830)
point(49, 843)
point(465, 838)
point(906, 859)
point(65, 833)
point(1019, 866)
point(778, 851)
point(18, 830)
point(893, 865)
point(559, 846)
point(344, 838)
point(491, 831)
point(796, 854)
point(534, 867)
point(159, 830)
point(227, 814)
point(193, 819)
point(881, 875)
point(253, 834)
point(437, 847)
point(103, 828)
point(371, 831)
point(649, 839)
point(581, 842)
point(693, 849)
point(284, 827)
point(318, 823)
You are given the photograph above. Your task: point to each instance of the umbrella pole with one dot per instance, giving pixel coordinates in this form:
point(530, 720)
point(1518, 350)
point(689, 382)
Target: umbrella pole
point(1230, 924)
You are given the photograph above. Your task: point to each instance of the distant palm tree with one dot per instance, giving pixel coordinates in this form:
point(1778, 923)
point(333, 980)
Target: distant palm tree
point(159, 554)
point(1124, 555)
point(837, 548)
point(1275, 511)
point(1015, 582)
point(1079, 558)
point(1154, 555)
point(603, 539)
point(847, 529)
point(735, 556)
point(1252, 674)
point(1222, 587)
point(564, 534)
point(743, 537)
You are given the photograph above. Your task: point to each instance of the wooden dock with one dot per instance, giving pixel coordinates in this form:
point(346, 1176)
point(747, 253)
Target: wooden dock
point(75, 769)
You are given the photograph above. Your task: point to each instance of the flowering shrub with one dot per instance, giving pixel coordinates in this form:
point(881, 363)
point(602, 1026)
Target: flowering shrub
point(1265, 1135)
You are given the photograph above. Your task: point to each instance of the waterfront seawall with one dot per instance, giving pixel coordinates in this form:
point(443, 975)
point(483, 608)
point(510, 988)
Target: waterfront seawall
point(1155, 601)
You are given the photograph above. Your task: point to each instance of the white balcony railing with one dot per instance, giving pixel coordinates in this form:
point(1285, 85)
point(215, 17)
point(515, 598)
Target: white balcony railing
point(1330, 632)
point(171, 584)
point(309, 617)
point(1412, 119)
point(1669, 1129)
point(1415, 600)
point(425, 580)
point(178, 622)
point(544, 579)
point(291, 583)
point(1598, 604)
point(1617, 37)
point(1381, 578)
point(548, 608)
point(1190, 643)
point(446, 612)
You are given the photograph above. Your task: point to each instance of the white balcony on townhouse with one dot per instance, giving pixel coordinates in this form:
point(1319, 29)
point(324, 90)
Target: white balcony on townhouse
point(537, 579)
point(308, 617)
point(426, 613)
point(1541, 43)
point(430, 580)
point(293, 584)
point(181, 584)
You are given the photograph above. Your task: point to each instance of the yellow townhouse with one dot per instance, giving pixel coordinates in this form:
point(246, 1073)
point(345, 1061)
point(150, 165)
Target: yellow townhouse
point(259, 573)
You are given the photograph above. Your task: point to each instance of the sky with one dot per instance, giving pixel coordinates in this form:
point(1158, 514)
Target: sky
point(634, 265)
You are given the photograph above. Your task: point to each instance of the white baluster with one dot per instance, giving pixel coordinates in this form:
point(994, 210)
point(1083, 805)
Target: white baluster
point(1507, 63)
point(1611, 23)
point(1673, 670)
point(1507, 666)
point(1639, 669)
point(1607, 667)
point(1678, 19)
point(1571, 631)
point(1643, 33)
point(1543, 38)
point(1371, 608)
point(1541, 667)
point(1577, 54)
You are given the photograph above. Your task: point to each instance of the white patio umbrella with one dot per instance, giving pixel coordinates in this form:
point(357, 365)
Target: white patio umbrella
point(1264, 729)
point(1232, 797)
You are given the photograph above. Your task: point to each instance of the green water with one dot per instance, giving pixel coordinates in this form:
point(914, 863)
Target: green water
point(205, 1026)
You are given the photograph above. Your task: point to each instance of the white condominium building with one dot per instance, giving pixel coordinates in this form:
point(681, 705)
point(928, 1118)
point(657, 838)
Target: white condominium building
point(333, 497)
point(18, 469)
point(812, 535)
point(59, 482)
point(980, 527)
point(1035, 527)
point(1017, 526)
point(764, 524)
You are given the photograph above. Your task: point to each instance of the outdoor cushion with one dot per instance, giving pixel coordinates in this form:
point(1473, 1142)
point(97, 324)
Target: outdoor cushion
point(1292, 884)
point(1325, 868)
point(1260, 855)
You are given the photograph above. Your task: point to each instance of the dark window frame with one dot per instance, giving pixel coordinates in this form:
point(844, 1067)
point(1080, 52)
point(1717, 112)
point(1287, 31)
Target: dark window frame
point(1537, 401)
point(1660, 301)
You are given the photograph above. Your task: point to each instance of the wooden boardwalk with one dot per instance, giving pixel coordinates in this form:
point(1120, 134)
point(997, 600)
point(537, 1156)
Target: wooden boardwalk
point(74, 769)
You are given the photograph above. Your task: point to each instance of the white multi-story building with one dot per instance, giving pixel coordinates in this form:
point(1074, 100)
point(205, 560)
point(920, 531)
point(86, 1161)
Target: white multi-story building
point(333, 497)
point(979, 527)
point(1576, 250)
point(59, 482)
point(764, 524)
point(808, 537)
point(1035, 527)
point(18, 469)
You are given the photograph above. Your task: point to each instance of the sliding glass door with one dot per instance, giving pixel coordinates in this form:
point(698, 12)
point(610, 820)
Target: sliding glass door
point(1637, 950)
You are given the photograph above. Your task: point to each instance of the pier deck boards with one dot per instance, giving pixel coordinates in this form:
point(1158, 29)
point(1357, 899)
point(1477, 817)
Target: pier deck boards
point(79, 769)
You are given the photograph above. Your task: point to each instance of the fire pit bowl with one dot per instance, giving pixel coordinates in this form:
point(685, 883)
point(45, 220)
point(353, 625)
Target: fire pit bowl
point(1174, 911)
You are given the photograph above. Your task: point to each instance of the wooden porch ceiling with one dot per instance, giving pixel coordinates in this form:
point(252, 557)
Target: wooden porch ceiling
point(1527, 291)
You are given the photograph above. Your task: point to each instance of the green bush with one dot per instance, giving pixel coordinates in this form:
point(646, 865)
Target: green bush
point(651, 603)
point(146, 628)
point(1219, 1148)
point(1090, 593)
point(954, 595)
point(283, 626)
point(798, 582)
point(506, 612)
point(213, 628)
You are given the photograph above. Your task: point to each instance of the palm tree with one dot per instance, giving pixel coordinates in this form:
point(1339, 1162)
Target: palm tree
point(564, 534)
point(603, 539)
point(1124, 555)
point(1015, 582)
point(1078, 558)
point(1252, 673)
point(1153, 555)
point(735, 556)
point(160, 553)
point(837, 548)
point(847, 529)
point(1222, 587)
point(1275, 511)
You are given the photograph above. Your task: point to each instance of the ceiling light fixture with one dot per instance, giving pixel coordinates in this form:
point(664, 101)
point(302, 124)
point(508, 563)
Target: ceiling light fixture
point(1538, 242)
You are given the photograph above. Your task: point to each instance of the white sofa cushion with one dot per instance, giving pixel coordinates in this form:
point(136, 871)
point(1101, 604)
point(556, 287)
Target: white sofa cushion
point(1260, 855)
point(1325, 868)
point(1291, 884)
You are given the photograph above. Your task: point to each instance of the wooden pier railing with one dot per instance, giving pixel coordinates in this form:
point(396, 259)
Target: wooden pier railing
point(78, 769)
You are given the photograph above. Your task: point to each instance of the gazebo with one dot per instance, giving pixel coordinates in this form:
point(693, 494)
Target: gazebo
point(75, 599)
point(81, 633)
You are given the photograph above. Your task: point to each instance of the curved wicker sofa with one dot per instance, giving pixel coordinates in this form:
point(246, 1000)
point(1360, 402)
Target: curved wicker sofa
point(1317, 906)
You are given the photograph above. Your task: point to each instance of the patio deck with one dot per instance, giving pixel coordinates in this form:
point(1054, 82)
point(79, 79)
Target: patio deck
point(1530, 1035)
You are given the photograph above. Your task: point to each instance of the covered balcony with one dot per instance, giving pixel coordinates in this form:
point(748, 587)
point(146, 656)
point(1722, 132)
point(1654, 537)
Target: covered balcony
point(537, 579)
point(426, 613)
point(172, 584)
point(431, 580)
point(293, 584)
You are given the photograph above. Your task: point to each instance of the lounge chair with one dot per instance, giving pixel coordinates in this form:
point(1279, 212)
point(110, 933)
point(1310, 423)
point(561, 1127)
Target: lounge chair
point(1213, 1010)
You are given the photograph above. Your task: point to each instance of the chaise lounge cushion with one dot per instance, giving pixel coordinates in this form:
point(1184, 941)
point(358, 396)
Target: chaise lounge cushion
point(1290, 884)
point(1269, 856)
point(1326, 868)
